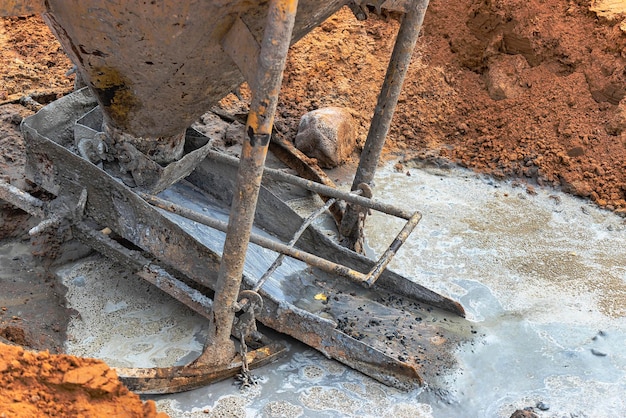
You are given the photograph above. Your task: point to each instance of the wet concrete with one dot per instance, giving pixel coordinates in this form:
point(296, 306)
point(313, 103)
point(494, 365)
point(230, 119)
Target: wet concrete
point(541, 275)
point(31, 301)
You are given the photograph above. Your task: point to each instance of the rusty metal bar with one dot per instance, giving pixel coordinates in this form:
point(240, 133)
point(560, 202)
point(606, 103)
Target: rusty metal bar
point(287, 249)
point(387, 101)
point(322, 189)
point(19, 198)
point(279, 260)
point(390, 92)
point(144, 268)
point(384, 261)
point(177, 289)
point(271, 64)
point(308, 258)
point(162, 380)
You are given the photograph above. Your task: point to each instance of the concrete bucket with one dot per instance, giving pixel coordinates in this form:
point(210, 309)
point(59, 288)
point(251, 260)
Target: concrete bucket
point(155, 67)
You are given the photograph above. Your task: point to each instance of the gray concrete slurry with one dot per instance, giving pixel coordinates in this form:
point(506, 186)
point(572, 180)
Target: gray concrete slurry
point(541, 274)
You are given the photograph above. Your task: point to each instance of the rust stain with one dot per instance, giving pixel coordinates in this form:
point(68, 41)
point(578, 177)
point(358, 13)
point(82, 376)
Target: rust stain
point(114, 92)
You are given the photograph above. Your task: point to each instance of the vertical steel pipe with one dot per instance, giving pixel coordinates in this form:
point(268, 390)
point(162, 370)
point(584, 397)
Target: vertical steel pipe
point(386, 105)
point(219, 348)
point(390, 91)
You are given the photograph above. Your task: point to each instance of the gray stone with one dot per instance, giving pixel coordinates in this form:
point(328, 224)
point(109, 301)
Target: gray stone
point(328, 135)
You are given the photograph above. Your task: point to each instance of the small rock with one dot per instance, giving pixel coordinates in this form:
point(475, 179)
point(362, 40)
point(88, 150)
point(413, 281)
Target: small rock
point(576, 152)
point(328, 135)
point(16, 119)
point(543, 406)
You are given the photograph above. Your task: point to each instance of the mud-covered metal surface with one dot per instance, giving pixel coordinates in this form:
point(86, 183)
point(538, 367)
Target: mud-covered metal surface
point(109, 203)
point(414, 333)
point(215, 179)
point(183, 378)
point(341, 319)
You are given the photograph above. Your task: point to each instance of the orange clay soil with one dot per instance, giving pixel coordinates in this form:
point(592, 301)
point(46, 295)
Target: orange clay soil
point(523, 89)
point(44, 384)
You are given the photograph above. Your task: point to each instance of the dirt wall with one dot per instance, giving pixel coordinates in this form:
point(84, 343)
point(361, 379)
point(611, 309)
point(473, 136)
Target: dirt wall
point(44, 384)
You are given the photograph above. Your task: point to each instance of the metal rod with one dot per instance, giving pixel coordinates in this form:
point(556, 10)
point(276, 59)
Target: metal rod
point(21, 199)
point(319, 188)
point(296, 237)
point(264, 242)
point(386, 105)
point(390, 92)
point(53, 222)
point(177, 289)
point(382, 263)
point(288, 249)
point(144, 268)
point(219, 348)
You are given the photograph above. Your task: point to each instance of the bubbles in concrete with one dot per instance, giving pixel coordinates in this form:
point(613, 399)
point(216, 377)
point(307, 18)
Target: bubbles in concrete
point(320, 398)
point(312, 373)
point(332, 367)
point(231, 406)
point(124, 320)
point(405, 410)
point(281, 409)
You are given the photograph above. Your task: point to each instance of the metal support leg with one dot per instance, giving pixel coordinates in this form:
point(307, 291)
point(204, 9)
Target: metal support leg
point(219, 348)
point(383, 113)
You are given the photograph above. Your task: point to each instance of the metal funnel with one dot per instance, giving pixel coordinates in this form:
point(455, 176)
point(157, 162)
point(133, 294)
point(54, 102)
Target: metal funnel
point(156, 66)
